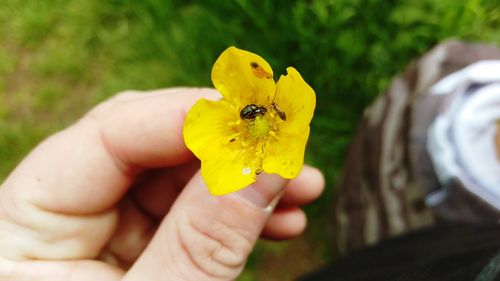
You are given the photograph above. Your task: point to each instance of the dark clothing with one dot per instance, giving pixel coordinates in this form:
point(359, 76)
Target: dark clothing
point(443, 252)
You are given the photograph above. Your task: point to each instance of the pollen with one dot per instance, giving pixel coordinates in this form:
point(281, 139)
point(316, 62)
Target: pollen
point(260, 127)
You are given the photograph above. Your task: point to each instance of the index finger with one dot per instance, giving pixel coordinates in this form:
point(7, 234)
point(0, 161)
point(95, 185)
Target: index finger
point(88, 167)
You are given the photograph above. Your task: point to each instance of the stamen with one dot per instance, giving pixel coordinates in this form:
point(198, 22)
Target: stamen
point(273, 134)
point(232, 138)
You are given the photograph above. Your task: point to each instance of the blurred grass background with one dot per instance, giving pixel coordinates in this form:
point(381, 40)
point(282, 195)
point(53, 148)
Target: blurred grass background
point(58, 58)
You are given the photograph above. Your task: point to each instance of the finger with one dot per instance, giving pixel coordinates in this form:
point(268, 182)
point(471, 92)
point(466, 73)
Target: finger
point(158, 191)
point(89, 166)
point(141, 211)
point(134, 231)
point(285, 223)
point(60, 271)
point(208, 237)
point(304, 189)
point(154, 196)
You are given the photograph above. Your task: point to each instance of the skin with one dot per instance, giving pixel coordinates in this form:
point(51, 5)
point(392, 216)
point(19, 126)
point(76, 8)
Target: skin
point(117, 196)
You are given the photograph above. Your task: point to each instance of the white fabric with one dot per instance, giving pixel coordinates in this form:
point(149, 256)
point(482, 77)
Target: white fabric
point(461, 139)
point(481, 72)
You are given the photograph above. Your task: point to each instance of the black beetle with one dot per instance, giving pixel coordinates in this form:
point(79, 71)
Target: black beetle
point(251, 111)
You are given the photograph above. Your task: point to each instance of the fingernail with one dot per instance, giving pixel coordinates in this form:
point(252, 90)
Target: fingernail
point(265, 192)
point(270, 208)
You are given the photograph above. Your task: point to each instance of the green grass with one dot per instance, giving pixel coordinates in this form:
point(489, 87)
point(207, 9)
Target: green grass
point(58, 58)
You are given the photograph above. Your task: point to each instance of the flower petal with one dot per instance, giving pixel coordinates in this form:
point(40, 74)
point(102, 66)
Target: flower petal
point(284, 152)
point(296, 99)
point(227, 172)
point(225, 167)
point(243, 78)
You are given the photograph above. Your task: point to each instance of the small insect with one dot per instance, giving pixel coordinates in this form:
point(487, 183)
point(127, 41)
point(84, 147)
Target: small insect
point(251, 111)
point(278, 110)
point(259, 71)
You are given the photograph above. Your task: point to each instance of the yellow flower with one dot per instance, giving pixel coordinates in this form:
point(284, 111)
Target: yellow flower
point(257, 126)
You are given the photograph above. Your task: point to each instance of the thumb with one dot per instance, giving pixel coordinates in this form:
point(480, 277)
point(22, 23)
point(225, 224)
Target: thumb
point(207, 237)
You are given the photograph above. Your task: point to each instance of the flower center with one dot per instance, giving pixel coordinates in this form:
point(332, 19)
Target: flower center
point(260, 127)
point(253, 127)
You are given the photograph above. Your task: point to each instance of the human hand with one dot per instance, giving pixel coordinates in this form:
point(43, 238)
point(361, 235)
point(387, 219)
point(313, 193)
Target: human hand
point(117, 196)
